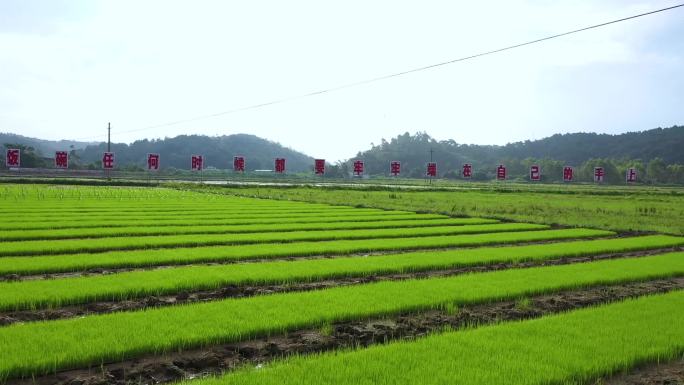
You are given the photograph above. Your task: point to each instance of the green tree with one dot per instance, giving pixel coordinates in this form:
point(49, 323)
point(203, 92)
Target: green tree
point(656, 171)
point(30, 158)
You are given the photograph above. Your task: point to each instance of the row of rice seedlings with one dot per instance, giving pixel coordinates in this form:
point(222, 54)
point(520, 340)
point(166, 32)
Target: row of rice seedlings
point(205, 221)
point(190, 213)
point(577, 347)
point(104, 221)
point(95, 206)
point(61, 246)
point(184, 256)
point(105, 232)
point(43, 347)
point(42, 193)
point(33, 294)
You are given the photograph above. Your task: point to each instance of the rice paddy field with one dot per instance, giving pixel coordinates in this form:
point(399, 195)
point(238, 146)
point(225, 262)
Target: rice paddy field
point(150, 285)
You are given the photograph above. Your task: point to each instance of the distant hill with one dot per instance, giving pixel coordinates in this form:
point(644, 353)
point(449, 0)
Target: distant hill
point(664, 143)
point(218, 152)
point(579, 150)
point(44, 147)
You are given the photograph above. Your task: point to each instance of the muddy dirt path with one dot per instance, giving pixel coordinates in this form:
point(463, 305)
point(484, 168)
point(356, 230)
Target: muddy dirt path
point(668, 373)
point(216, 359)
point(233, 291)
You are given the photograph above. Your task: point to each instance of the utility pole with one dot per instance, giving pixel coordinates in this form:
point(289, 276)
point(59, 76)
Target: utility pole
point(109, 137)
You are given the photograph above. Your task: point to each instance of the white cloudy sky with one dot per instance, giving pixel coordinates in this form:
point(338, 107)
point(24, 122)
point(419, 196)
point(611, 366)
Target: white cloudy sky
point(69, 67)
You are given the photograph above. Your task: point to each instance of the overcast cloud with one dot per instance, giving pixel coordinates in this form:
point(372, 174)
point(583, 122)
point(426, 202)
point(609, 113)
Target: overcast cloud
point(69, 67)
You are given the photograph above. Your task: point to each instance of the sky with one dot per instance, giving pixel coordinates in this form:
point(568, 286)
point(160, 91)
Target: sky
point(67, 68)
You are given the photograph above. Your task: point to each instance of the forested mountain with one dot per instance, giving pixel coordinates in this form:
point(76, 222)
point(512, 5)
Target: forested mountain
point(657, 154)
point(43, 146)
point(663, 146)
point(174, 152)
point(217, 151)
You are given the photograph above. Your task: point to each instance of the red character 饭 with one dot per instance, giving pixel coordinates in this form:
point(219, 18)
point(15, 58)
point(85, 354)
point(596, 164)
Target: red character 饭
point(13, 157)
point(61, 159)
point(395, 167)
point(108, 160)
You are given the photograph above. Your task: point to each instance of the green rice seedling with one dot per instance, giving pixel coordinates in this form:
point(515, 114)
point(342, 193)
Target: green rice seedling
point(106, 232)
point(44, 347)
point(570, 348)
point(44, 247)
point(31, 294)
point(184, 256)
point(213, 220)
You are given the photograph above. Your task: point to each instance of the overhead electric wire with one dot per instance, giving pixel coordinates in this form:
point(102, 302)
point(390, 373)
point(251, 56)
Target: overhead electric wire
point(393, 75)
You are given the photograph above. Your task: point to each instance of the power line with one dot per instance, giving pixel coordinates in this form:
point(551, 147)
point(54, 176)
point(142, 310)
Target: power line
point(393, 75)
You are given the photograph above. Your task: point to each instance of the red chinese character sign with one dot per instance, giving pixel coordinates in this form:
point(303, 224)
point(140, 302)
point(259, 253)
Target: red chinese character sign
point(395, 167)
point(358, 167)
point(61, 159)
point(631, 175)
point(501, 172)
point(599, 174)
point(432, 169)
point(152, 162)
point(239, 163)
point(280, 165)
point(319, 166)
point(467, 171)
point(196, 163)
point(108, 160)
point(568, 174)
point(13, 157)
point(535, 173)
